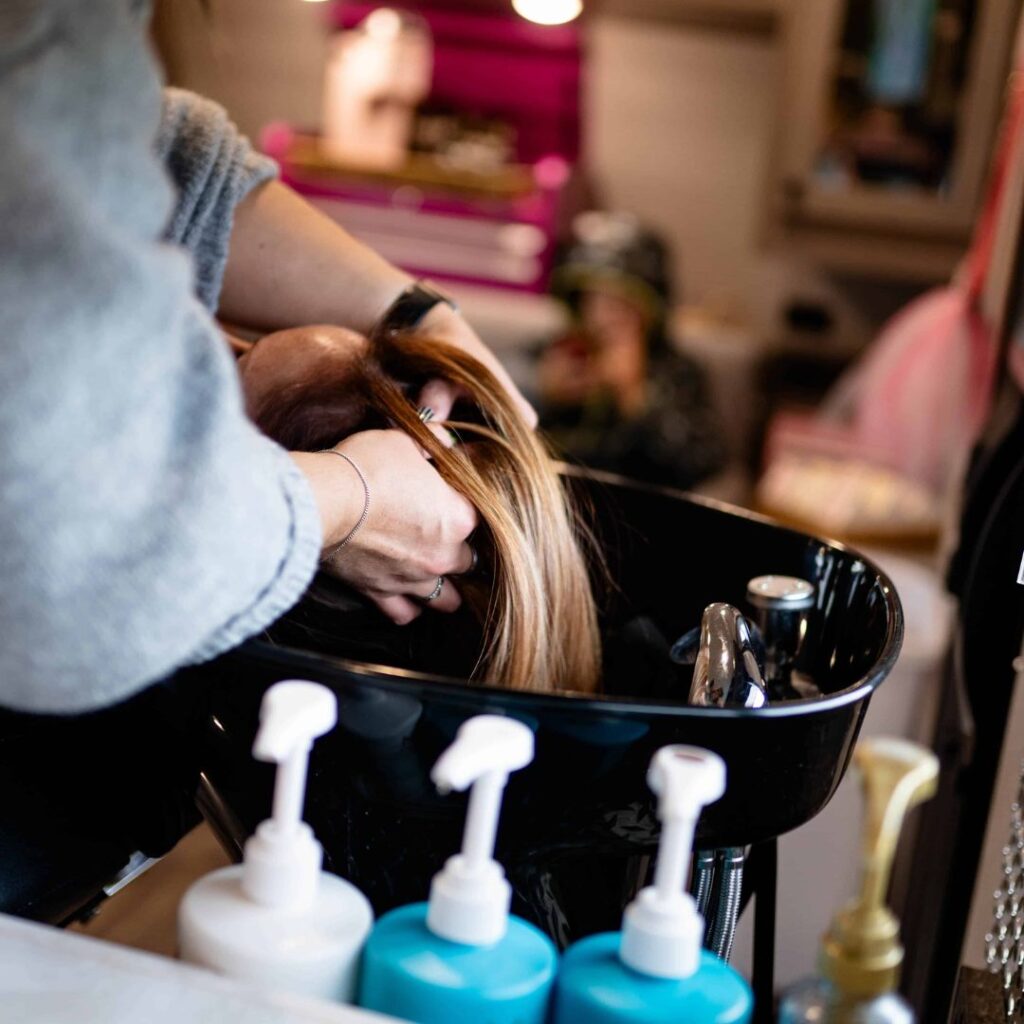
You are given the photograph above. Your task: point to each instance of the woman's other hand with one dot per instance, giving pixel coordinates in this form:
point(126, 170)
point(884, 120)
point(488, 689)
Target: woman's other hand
point(415, 530)
point(444, 324)
point(321, 274)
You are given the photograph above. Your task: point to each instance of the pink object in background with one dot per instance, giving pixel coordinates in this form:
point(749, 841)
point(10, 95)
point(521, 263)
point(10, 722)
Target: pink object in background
point(490, 65)
point(915, 402)
point(500, 66)
point(923, 389)
point(922, 392)
point(502, 242)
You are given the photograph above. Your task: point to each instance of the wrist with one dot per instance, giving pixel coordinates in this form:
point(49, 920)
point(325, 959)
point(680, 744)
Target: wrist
point(338, 492)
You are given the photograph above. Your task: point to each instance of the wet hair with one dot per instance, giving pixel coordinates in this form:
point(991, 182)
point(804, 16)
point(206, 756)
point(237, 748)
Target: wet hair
point(531, 592)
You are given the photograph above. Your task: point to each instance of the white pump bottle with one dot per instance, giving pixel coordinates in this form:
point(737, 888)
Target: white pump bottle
point(277, 919)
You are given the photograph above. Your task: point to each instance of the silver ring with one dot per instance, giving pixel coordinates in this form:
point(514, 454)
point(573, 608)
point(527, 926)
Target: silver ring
point(425, 413)
point(436, 592)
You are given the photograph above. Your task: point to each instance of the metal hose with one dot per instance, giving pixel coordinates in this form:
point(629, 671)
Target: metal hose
point(703, 880)
point(725, 910)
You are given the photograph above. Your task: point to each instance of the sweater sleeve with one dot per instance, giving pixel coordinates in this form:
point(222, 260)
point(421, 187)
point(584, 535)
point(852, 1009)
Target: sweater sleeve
point(213, 168)
point(144, 523)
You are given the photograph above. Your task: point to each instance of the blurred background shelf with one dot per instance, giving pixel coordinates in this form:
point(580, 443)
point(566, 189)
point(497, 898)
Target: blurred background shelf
point(880, 164)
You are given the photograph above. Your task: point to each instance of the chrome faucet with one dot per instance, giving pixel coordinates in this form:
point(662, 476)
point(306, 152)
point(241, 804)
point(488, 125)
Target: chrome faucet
point(730, 664)
point(727, 672)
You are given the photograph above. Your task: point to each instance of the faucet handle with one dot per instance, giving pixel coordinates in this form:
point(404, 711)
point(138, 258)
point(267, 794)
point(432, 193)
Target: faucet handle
point(727, 672)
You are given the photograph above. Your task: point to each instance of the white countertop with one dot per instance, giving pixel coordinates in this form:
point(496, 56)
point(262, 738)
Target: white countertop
point(48, 975)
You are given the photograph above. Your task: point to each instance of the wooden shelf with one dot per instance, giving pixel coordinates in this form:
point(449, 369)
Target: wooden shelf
point(878, 257)
point(759, 17)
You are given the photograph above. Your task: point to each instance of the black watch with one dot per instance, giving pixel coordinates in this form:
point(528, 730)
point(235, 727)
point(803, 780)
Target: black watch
point(409, 309)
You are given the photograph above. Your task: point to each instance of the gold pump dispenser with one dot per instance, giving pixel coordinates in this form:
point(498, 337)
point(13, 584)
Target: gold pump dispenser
point(861, 952)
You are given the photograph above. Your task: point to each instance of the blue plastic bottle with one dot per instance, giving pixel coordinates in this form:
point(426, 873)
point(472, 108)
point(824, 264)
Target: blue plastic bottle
point(462, 958)
point(654, 971)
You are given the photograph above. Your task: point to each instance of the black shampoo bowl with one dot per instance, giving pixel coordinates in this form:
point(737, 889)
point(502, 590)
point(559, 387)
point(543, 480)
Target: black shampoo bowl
point(578, 825)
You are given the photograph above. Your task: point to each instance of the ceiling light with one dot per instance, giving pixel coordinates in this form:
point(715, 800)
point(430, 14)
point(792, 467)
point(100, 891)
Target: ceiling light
point(548, 12)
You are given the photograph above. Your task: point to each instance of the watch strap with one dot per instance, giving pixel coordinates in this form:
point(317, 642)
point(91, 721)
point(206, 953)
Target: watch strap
point(409, 309)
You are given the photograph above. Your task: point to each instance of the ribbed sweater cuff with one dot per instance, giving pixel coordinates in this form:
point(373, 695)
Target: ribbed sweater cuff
point(293, 575)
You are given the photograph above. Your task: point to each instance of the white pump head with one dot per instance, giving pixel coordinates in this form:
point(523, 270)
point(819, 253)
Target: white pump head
point(661, 929)
point(283, 859)
point(469, 897)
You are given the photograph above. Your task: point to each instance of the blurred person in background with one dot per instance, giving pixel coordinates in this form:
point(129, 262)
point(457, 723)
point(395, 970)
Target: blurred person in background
point(613, 393)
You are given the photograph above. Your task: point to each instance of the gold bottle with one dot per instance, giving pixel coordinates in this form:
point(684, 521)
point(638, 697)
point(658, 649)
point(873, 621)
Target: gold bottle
point(861, 953)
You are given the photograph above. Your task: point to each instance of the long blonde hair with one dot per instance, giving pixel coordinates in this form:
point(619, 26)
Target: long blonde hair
point(532, 594)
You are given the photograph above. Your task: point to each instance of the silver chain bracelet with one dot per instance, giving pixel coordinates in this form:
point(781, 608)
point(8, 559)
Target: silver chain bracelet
point(366, 502)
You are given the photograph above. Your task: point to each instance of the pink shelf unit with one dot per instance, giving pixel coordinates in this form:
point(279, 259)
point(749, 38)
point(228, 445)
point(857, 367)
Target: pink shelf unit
point(490, 64)
point(500, 65)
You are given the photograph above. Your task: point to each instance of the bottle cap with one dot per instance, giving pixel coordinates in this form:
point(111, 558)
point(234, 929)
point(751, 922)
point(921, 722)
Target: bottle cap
point(469, 897)
point(661, 929)
point(861, 953)
point(283, 859)
point(784, 593)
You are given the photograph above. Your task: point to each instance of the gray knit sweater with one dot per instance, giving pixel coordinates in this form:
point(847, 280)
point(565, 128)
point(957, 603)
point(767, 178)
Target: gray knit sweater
point(144, 523)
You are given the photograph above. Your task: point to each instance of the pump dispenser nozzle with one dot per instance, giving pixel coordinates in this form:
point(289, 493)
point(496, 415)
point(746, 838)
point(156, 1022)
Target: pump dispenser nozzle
point(277, 920)
point(469, 897)
point(862, 954)
point(661, 929)
point(283, 859)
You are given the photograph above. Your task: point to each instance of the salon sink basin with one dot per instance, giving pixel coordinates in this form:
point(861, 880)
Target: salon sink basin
point(579, 824)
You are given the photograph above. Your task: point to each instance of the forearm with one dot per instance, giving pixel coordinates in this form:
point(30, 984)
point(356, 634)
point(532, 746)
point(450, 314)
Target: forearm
point(289, 264)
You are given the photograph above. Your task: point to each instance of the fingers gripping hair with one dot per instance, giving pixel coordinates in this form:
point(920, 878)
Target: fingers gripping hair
point(532, 593)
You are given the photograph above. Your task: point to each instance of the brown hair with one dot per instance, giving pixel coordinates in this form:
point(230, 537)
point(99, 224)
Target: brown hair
point(531, 593)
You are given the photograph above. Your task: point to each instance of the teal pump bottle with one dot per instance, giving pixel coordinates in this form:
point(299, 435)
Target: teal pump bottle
point(654, 971)
point(462, 958)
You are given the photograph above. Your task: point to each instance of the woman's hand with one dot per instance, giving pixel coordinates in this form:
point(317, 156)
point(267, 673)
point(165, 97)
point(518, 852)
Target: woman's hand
point(444, 324)
point(416, 527)
point(415, 530)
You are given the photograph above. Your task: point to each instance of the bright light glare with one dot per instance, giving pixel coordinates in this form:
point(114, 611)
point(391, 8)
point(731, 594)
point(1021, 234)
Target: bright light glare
point(548, 12)
point(383, 23)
